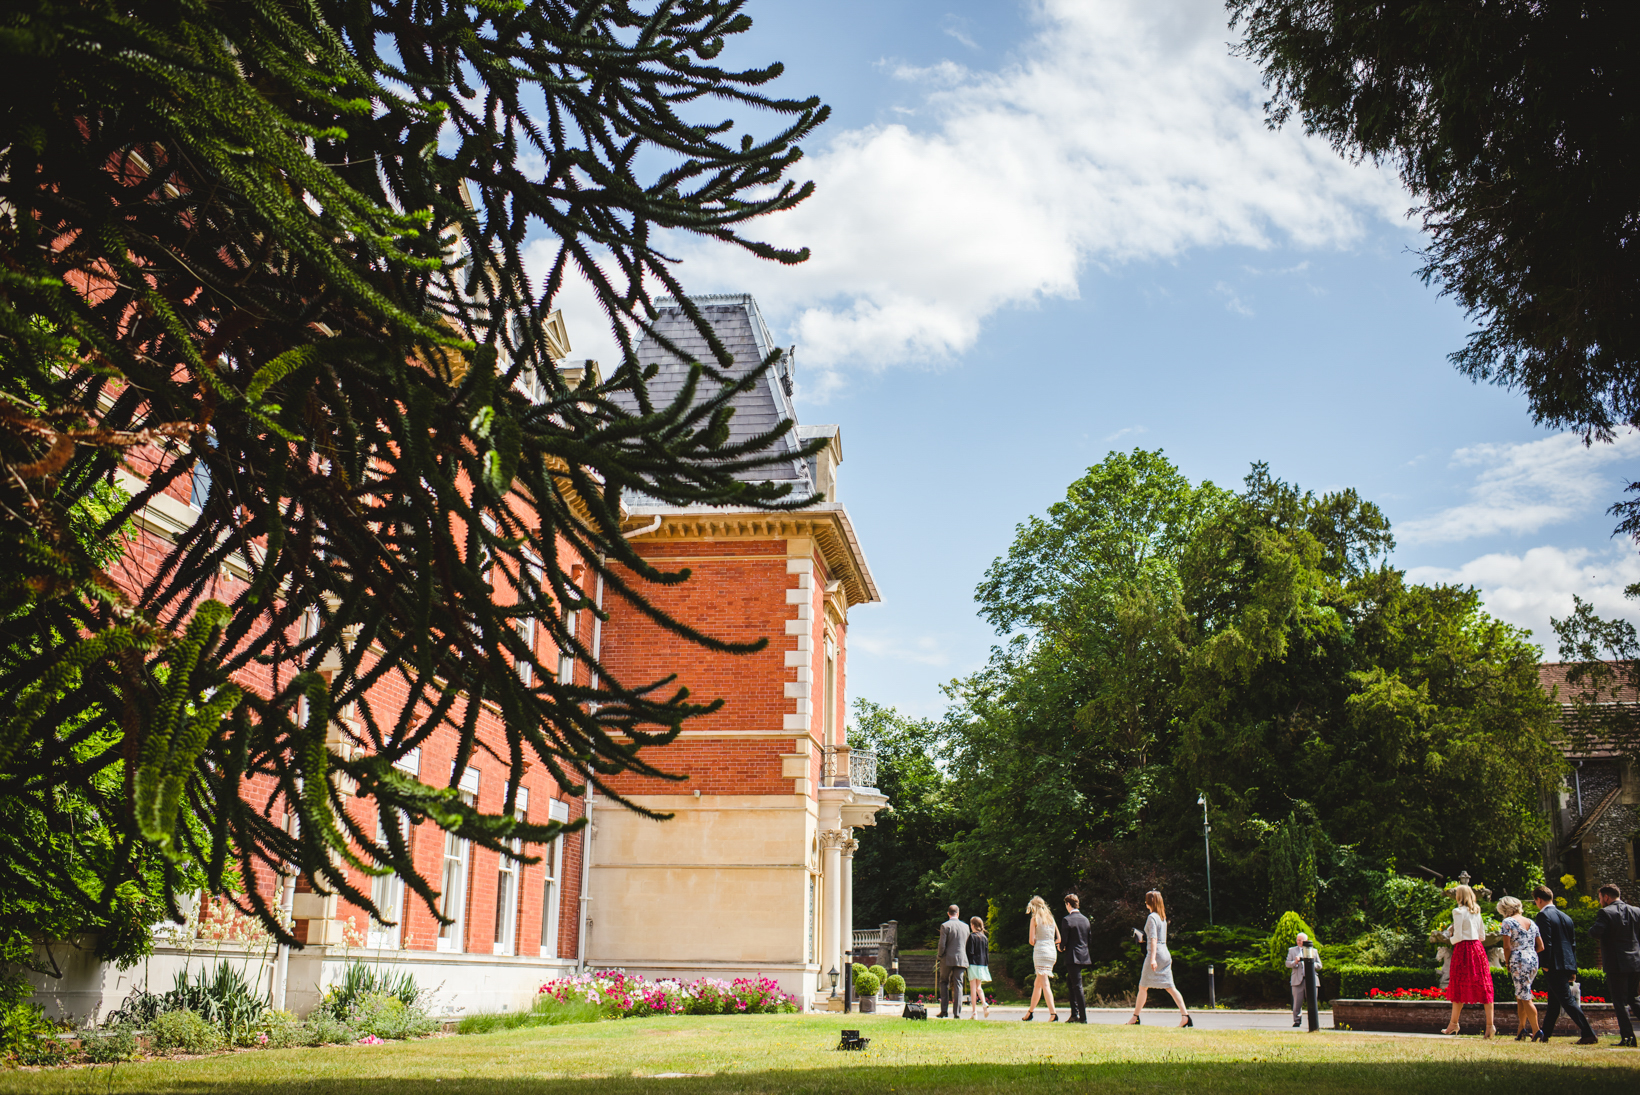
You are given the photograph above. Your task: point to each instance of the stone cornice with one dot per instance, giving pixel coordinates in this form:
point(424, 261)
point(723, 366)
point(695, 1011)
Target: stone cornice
point(828, 525)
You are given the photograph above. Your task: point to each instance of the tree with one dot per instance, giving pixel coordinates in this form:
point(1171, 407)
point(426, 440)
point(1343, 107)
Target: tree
point(1332, 714)
point(1517, 126)
point(897, 870)
point(280, 249)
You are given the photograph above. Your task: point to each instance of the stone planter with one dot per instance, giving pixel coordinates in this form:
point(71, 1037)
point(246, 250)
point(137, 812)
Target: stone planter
point(1429, 1016)
point(868, 1005)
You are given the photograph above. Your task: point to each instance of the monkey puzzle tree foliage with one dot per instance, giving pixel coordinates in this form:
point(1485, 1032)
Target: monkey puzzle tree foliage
point(279, 247)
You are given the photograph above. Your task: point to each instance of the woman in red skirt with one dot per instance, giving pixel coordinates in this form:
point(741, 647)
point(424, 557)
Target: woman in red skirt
point(1470, 981)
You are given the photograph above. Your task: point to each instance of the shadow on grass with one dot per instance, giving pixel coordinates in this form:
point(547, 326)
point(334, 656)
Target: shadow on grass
point(1413, 1077)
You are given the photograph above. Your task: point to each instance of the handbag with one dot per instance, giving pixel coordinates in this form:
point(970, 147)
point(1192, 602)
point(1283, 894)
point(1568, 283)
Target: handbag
point(914, 1011)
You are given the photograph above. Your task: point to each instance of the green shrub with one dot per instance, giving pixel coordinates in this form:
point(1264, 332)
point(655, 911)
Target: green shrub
point(326, 1030)
point(221, 997)
point(894, 985)
point(360, 980)
point(387, 1017)
point(1383, 946)
point(1286, 935)
point(27, 1037)
point(865, 982)
point(881, 972)
point(105, 1045)
point(281, 1030)
point(184, 1031)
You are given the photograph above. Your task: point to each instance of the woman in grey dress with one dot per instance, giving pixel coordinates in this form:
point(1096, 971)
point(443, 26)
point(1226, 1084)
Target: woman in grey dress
point(1156, 969)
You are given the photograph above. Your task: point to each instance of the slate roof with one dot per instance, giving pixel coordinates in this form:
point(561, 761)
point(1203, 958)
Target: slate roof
point(739, 326)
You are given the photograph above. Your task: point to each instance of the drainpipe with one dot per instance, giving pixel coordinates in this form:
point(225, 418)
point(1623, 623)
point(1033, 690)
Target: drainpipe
point(287, 900)
point(586, 833)
point(586, 899)
point(1577, 786)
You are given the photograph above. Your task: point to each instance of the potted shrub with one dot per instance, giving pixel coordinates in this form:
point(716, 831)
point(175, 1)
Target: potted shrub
point(894, 987)
point(865, 990)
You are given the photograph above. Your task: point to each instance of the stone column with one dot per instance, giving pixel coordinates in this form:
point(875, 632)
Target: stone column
point(849, 846)
point(831, 948)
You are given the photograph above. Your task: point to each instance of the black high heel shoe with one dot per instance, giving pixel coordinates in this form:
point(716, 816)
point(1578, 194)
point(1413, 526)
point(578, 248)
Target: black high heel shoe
point(1188, 1021)
point(1133, 1020)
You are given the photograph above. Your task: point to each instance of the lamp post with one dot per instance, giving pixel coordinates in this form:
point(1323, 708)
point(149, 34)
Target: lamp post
point(1207, 845)
point(833, 976)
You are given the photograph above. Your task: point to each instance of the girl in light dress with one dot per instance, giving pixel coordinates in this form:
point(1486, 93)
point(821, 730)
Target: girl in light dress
point(979, 968)
point(1521, 942)
point(1156, 969)
point(1044, 952)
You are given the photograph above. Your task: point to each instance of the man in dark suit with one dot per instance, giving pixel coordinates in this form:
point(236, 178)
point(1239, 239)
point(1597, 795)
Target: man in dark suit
point(953, 960)
point(1559, 964)
point(1074, 942)
point(1617, 926)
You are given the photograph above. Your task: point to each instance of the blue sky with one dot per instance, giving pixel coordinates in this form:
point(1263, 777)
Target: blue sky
point(1046, 230)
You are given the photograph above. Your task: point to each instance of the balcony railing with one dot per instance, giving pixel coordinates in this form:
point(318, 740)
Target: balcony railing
point(848, 767)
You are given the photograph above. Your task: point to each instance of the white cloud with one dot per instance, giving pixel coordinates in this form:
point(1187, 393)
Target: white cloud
point(1526, 590)
point(1125, 431)
point(1526, 487)
point(1125, 132)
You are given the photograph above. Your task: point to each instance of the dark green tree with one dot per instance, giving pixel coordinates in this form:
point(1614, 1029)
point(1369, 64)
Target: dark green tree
point(899, 865)
point(1516, 126)
point(279, 248)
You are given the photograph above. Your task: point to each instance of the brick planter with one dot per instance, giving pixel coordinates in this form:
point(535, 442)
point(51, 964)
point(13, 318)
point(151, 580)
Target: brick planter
point(1429, 1016)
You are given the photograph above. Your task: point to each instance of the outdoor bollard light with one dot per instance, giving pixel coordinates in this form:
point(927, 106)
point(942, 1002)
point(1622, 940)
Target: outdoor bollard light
point(1309, 986)
point(1212, 998)
point(848, 983)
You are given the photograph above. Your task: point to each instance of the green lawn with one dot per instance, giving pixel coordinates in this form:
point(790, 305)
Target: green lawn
point(780, 1054)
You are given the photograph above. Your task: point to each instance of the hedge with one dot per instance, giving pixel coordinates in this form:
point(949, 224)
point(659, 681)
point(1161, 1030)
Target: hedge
point(1354, 981)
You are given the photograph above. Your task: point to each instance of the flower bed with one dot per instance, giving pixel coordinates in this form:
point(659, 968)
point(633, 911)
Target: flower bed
point(619, 995)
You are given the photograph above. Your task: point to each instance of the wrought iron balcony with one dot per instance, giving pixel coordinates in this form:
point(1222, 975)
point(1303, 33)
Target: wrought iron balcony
point(848, 767)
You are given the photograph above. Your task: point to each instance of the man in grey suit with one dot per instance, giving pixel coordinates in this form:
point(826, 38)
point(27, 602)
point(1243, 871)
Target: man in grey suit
point(953, 959)
point(1295, 962)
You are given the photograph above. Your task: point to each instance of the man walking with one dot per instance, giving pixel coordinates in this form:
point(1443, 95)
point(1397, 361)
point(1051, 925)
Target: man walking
point(1617, 926)
point(1559, 964)
point(1074, 942)
point(953, 960)
point(1295, 962)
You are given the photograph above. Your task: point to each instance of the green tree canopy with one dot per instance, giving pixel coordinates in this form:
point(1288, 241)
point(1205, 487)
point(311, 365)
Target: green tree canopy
point(282, 246)
point(1174, 639)
point(1516, 124)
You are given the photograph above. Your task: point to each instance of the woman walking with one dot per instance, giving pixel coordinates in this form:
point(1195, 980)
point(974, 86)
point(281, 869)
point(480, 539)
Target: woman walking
point(1044, 952)
point(1156, 970)
point(1470, 980)
point(1521, 943)
point(979, 968)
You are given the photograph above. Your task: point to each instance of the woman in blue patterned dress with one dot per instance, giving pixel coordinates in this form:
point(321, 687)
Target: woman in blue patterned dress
point(1521, 943)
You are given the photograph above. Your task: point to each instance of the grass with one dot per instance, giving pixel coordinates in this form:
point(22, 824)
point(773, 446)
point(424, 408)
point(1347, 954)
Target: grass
point(546, 1012)
point(709, 1055)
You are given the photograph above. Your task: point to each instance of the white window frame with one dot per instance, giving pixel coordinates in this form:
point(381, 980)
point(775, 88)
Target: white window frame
point(552, 882)
point(526, 624)
point(828, 701)
point(387, 891)
point(566, 660)
point(507, 891)
point(458, 857)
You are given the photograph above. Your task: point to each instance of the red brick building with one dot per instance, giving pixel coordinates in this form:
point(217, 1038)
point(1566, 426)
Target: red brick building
point(750, 876)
